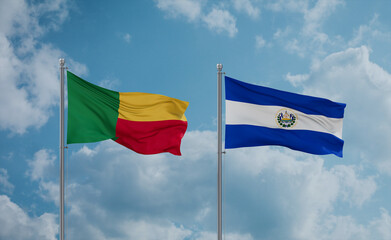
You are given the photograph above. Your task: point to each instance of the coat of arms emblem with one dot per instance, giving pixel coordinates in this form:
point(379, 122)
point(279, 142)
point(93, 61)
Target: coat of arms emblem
point(286, 118)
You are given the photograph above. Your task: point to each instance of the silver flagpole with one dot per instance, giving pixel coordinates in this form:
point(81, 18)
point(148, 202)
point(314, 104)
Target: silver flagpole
point(219, 152)
point(62, 68)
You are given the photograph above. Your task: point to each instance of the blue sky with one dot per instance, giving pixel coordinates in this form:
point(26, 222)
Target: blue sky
point(335, 49)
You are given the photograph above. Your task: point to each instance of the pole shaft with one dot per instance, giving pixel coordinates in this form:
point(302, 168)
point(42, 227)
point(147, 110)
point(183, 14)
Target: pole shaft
point(62, 68)
point(219, 152)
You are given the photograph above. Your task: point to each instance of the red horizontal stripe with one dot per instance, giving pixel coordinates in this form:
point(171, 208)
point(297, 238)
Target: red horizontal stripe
point(151, 137)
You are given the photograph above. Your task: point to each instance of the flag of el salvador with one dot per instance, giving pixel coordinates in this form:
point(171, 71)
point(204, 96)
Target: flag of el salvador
point(259, 116)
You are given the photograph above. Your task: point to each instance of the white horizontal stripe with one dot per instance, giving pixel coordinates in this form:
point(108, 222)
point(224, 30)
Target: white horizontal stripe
point(260, 115)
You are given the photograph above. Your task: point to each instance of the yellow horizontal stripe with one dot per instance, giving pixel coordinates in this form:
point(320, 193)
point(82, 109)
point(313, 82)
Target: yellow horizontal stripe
point(135, 106)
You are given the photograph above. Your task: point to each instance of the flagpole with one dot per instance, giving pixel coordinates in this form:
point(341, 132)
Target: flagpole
point(62, 68)
point(219, 151)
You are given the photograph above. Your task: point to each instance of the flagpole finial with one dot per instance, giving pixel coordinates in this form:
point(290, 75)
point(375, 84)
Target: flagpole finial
point(219, 66)
point(62, 61)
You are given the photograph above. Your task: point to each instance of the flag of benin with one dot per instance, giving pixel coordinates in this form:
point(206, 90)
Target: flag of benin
point(146, 123)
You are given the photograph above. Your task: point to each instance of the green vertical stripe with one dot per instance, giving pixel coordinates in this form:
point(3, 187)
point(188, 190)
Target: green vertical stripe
point(92, 111)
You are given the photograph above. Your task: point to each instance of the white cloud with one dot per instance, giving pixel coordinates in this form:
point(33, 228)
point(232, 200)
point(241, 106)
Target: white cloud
point(314, 17)
point(187, 8)
point(345, 227)
point(42, 170)
point(295, 46)
point(355, 191)
point(86, 151)
point(382, 225)
point(229, 236)
point(279, 33)
point(127, 37)
point(351, 66)
point(6, 186)
point(49, 191)
point(17, 225)
point(192, 145)
point(41, 165)
point(28, 68)
point(134, 193)
point(109, 83)
point(203, 213)
point(20, 113)
point(75, 67)
point(349, 76)
point(150, 231)
point(288, 5)
point(220, 20)
point(247, 7)
point(259, 42)
point(363, 30)
point(15, 18)
point(311, 39)
point(296, 191)
point(120, 193)
point(367, 33)
point(384, 166)
point(297, 79)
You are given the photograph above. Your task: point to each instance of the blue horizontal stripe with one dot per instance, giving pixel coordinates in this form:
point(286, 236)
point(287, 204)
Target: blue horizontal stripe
point(237, 136)
point(236, 90)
